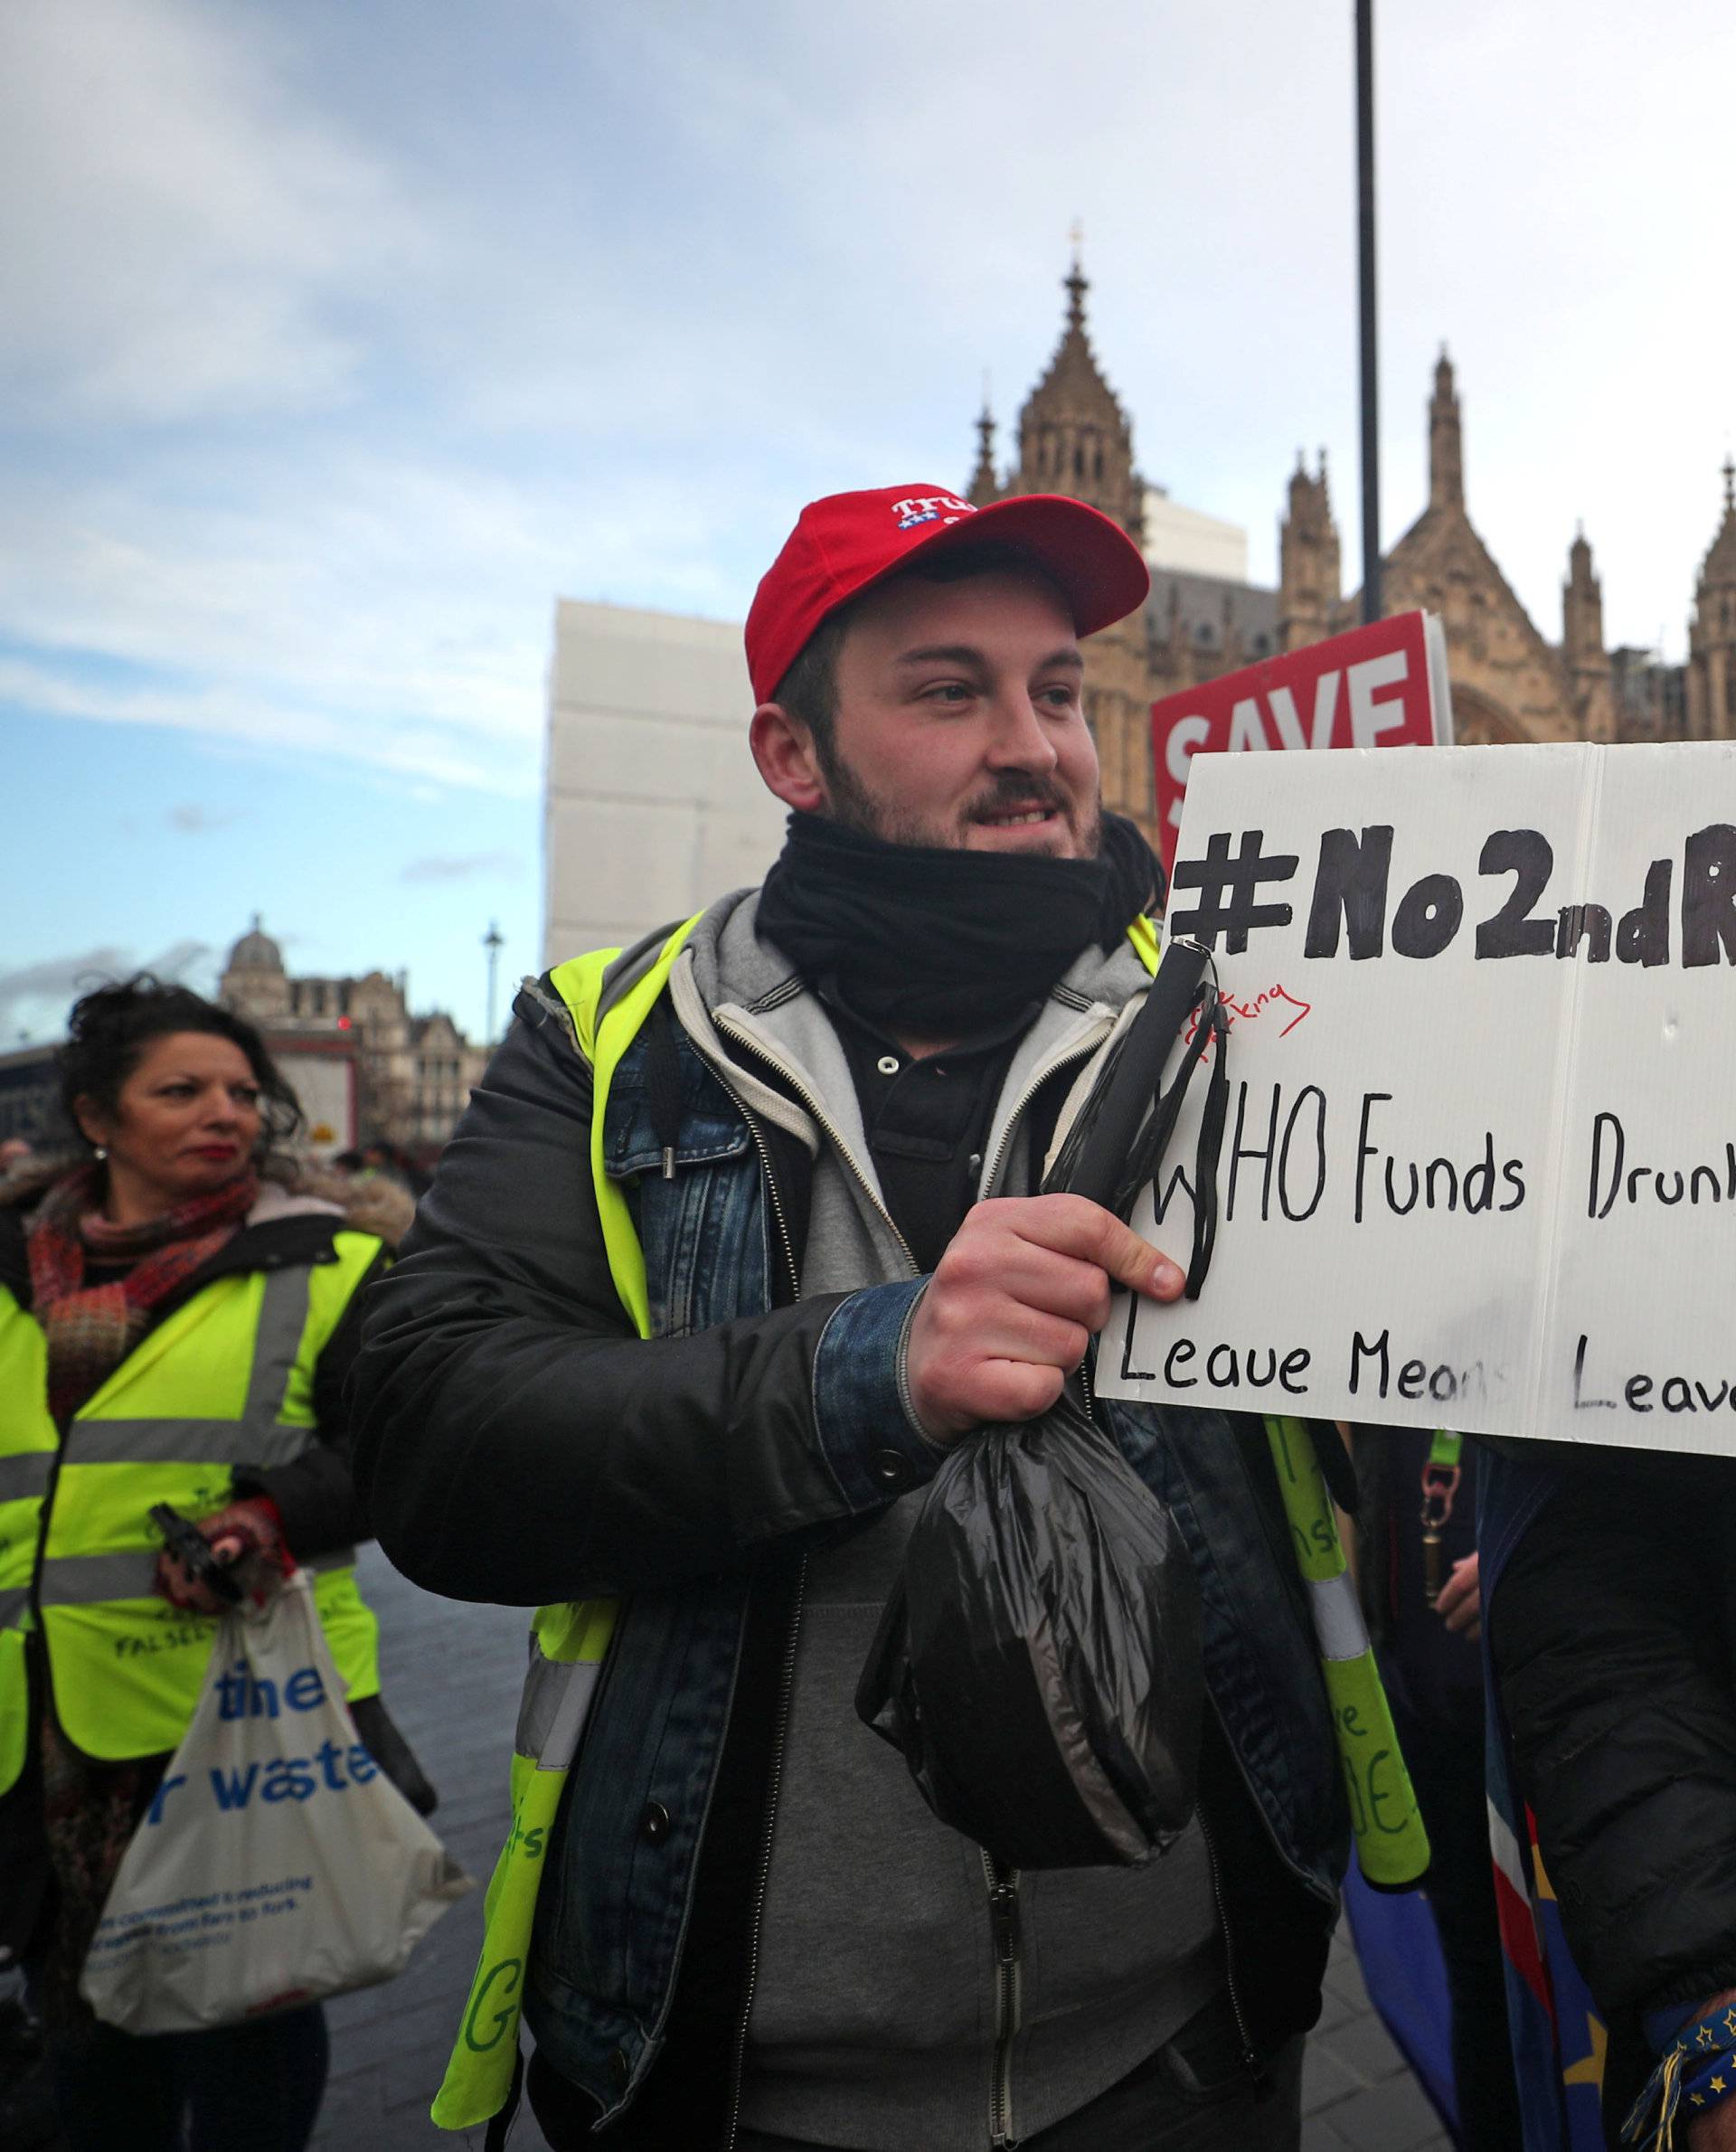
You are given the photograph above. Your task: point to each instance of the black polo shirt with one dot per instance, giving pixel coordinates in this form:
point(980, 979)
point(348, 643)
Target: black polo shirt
point(928, 1121)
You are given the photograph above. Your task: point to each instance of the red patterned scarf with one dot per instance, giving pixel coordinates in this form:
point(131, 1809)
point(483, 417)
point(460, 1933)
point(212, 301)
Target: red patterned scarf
point(91, 1330)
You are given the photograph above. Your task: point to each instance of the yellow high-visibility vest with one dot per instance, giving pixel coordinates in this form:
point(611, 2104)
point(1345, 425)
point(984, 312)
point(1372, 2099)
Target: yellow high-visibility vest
point(568, 1642)
point(226, 1380)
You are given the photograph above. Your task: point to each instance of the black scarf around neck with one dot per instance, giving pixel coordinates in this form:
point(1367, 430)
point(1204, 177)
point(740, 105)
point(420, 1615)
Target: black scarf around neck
point(941, 942)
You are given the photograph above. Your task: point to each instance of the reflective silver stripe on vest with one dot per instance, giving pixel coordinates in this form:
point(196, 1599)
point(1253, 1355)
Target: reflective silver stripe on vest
point(1337, 1618)
point(24, 1475)
point(283, 1317)
point(551, 1711)
point(13, 1602)
point(89, 1579)
point(256, 1437)
point(183, 1442)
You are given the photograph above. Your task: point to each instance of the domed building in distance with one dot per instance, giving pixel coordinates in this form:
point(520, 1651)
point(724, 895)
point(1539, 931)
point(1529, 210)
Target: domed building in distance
point(363, 1067)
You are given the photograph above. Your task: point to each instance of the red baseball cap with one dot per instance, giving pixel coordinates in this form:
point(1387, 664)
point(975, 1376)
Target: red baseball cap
point(843, 543)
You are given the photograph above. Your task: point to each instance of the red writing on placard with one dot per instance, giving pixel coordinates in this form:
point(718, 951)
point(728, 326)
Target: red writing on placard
point(1287, 1008)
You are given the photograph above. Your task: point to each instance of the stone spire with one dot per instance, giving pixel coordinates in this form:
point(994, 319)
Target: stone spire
point(1445, 444)
point(1711, 631)
point(1581, 605)
point(983, 486)
point(1075, 285)
point(1309, 576)
point(1582, 650)
point(1074, 438)
point(1720, 565)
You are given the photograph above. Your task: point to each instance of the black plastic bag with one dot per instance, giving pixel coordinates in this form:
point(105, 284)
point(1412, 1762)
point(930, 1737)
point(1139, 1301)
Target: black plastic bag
point(1039, 1662)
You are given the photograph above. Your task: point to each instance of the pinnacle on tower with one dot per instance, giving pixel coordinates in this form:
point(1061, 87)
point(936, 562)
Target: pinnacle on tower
point(1075, 281)
point(1445, 441)
point(1719, 567)
point(1581, 605)
point(1712, 629)
point(984, 486)
point(1074, 438)
point(1308, 563)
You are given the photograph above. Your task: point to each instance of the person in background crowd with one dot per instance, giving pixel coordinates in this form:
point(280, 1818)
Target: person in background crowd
point(1418, 1584)
point(1610, 1595)
point(394, 1164)
point(821, 1117)
point(180, 1229)
point(16, 1154)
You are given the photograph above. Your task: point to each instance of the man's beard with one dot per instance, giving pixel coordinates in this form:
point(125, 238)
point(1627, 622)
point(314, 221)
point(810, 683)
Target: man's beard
point(851, 804)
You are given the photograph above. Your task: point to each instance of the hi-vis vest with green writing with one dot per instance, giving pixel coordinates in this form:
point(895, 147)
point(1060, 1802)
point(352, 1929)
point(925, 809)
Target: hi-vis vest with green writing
point(568, 1642)
point(227, 1379)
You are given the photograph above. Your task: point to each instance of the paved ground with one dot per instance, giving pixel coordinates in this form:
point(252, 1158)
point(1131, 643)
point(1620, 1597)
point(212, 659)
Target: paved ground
point(1357, 2091)
point(451, 1676)
point(451, 1681)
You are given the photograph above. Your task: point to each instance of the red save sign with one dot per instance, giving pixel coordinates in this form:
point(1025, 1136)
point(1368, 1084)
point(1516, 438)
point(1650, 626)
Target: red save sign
point(1383, 686)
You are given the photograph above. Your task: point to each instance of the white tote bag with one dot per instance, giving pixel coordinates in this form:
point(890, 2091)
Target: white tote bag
point(277, 1864)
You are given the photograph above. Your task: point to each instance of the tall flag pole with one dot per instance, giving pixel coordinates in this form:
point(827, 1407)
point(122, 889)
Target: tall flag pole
point(1366, 279)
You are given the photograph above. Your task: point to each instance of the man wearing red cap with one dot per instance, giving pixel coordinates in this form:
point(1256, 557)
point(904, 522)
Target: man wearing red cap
point(739, 1235)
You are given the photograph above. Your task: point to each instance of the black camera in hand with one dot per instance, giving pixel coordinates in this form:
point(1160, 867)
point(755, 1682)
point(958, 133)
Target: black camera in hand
point(190, 1547)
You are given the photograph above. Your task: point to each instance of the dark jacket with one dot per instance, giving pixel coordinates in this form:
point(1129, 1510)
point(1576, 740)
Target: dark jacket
point(517, 1442)
point(1612, 1629)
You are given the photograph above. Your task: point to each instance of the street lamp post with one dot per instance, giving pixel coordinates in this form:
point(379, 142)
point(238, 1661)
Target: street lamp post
point(493, 942)
point(1365, 283)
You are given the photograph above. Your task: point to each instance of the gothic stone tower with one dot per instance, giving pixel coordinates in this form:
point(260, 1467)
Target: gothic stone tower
point(1583, 656)
point(1074, 438)
point(1308, 577)
point(1508, 683)
point(1711, 632)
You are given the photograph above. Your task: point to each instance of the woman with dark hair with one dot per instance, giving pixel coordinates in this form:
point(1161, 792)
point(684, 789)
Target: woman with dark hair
point(177, 1319)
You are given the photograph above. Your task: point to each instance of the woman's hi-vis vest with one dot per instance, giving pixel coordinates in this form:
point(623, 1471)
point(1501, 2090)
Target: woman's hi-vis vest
point(568, 1642)
point(226, 1380)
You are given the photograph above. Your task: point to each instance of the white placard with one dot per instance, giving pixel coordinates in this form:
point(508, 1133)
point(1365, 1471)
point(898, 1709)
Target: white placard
point(1480, 1163)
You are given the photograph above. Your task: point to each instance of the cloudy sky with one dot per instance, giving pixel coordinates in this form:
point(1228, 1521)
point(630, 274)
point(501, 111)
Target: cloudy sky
point(336, 341)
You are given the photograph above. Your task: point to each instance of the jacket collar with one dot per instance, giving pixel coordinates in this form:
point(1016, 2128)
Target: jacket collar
point(732, 991)
point(296, 1221)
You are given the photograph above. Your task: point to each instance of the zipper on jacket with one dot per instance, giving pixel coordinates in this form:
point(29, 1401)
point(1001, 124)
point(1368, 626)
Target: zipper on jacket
point(1249, 2056)
point(1004, 1938)
point(777, 1201)
point(1077, 1050)
point(786, 1689)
